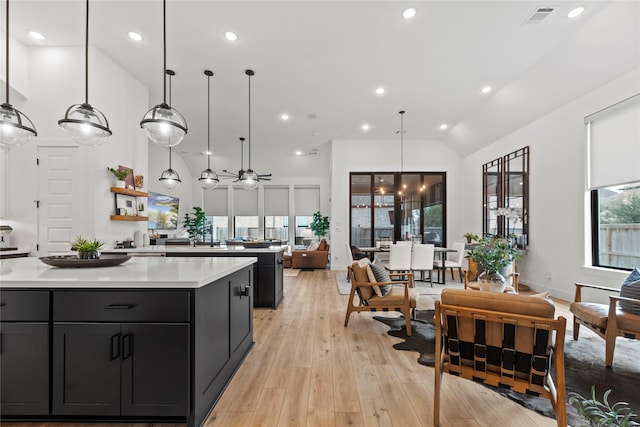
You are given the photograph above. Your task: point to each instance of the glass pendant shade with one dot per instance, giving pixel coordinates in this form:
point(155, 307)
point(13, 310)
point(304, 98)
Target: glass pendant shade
point(164, 125)
point(86, 125)
point(208, 179)
point(170, 179)
point(15, 128)
point(249, 180)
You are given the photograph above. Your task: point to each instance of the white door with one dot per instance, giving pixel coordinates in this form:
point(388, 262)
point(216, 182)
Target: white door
point(59, 180)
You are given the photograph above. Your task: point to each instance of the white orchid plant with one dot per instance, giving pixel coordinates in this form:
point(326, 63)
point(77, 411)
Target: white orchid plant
point(509, 212)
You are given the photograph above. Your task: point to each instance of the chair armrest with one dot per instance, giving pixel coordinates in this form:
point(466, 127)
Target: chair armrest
point(409, 275)
point(371, 284)
point(626, 299)
point(579, 286)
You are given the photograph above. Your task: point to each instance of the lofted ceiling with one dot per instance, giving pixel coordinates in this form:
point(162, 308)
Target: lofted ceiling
point(321, 61)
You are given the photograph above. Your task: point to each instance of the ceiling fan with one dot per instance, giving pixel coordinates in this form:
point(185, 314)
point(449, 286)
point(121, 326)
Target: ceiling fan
point(248, 178)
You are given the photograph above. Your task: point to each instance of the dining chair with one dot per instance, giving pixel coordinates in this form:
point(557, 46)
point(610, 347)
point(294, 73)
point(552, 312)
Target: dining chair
point(399, 258)
point(422, 260)
point(453, 260)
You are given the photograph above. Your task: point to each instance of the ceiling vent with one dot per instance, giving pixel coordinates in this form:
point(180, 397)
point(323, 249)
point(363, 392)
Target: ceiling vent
point(539, 15)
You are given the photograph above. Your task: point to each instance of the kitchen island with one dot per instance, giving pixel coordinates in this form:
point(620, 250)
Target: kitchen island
point(152, 340)
point(268, 271)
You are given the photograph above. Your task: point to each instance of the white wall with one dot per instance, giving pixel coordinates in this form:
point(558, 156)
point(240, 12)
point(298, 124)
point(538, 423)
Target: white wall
point(382, 156)
point(56, 81)
point(559, 246)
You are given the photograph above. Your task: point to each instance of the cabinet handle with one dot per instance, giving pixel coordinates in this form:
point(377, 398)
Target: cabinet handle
point(280, 261)
point(0, 343)
point(2, 304)
point(120, 306)
point(115, 347)
point(127, 346)
point(244, 291)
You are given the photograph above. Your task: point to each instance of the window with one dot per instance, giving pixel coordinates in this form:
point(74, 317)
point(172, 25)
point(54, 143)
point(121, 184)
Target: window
point(614, 182)
point(219, 225)
point(276, 227)
point(302, 228)
point(246, 227)
point(387, 207)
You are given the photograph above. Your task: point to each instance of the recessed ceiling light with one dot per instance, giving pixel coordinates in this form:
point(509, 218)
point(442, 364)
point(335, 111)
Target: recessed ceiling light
point(486, 89)
point(284, 117)
point(444, 126)
point(135, 36)
point(380, 90)
point(207, 153)
point(575, 12)
point(409, 13)
point(365, 126)
point(298, 153)
point(316, 133)
point(231, 36)
point(36, 35)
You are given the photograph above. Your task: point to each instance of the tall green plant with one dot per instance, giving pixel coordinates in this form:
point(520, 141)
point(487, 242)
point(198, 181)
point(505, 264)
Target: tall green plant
point(320, 224)
point(493, 253)
point(195, 223)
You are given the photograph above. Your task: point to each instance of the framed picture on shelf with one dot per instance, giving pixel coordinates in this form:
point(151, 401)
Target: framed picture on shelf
point(129, 179)
point(125, 205)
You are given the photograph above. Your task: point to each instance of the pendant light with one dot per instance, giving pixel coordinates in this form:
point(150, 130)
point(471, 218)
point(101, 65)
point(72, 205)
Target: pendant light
point(208, 178)
point(249, 179)
point(15, 127)
point(170, 178)
point(163, 124)
point(87, 125)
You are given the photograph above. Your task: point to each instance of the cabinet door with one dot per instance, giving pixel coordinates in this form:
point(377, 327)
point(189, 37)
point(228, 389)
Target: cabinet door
point(24, 364)
point(86, 369)
point(240, 308)
point(155, 369)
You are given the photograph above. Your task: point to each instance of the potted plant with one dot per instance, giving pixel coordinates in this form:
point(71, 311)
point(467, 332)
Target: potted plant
point(470, 237)
point(492, 254)
point(320, 224)
point(602, 413)
point(120, 175)
point(194, 224)
point(87, 248)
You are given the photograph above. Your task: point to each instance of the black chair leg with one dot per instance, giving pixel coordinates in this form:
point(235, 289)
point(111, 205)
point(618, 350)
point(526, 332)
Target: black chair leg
point(460, 273)
point(452, 278)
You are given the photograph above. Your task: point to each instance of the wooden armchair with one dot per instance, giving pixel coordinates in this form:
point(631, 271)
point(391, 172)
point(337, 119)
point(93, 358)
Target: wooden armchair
point(402, 297)
point(500, 339)
point(608, 321)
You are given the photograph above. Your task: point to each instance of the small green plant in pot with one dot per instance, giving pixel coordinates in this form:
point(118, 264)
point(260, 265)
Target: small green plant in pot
point(120, 175)
point(492, 254)
point(320, 224)
point(470, 237)
point(602, 414)
point(195, 224)
point(87, 248)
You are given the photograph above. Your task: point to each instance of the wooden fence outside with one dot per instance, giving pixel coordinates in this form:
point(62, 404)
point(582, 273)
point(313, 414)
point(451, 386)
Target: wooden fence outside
point(620, 245)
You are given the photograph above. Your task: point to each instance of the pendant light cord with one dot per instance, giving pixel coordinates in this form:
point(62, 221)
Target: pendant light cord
point(208, 121)
point(86, 56)
point(170, 158)
point(242, 154)
point(249, 121)
point(402, 141)
point(7, 62)
point(164, 51)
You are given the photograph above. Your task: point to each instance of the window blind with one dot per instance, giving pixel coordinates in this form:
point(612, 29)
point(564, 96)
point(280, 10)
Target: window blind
point(614, 144)
point(307, 200)
point(215, 202)
point(276, 201)
point(245, 202)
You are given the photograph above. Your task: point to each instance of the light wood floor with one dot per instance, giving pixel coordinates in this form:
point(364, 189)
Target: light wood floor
point(307, 369)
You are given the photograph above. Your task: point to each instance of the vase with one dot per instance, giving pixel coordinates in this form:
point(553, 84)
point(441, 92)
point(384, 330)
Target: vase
point(89, 255)
point(491, 281)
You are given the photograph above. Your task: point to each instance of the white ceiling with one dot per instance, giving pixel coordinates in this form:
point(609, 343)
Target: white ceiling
point(327, 58)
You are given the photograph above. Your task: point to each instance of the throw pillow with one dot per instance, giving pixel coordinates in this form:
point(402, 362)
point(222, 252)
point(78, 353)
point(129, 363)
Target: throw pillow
point(631, 289)
point(313, 246)
point(360, 276)
point(382, 275)
point(372, 278)
point(322, 246)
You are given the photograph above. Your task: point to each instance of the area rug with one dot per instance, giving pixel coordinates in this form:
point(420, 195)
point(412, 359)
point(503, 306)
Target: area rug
point(344, 287)
point(584, 365)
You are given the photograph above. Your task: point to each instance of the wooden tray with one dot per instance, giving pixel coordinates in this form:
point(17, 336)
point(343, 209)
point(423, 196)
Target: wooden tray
point(72, 261)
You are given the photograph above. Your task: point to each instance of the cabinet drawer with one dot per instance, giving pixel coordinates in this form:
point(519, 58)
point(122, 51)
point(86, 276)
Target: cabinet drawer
point(24, 306)
point(120, 306)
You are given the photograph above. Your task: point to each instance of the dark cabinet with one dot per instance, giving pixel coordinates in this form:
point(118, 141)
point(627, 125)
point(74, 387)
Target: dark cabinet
point(24, 352)
point(133, 363)
point(24, 366)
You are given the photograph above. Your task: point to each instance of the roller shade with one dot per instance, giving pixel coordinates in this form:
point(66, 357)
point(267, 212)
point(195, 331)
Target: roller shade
point(307, 200)
point(245, 202)
point(215, 202)
point(276, 201)
point(614, 144)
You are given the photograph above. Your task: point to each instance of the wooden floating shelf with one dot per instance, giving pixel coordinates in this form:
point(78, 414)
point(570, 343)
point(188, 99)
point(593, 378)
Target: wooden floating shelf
point(129, 218)
point(128, 192)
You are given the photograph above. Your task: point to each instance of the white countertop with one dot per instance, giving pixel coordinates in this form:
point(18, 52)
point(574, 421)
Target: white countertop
point(15, 252)
point(161, 249)
point(153, 272)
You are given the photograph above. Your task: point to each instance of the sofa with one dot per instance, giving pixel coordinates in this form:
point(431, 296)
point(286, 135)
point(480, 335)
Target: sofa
point(311, 258)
